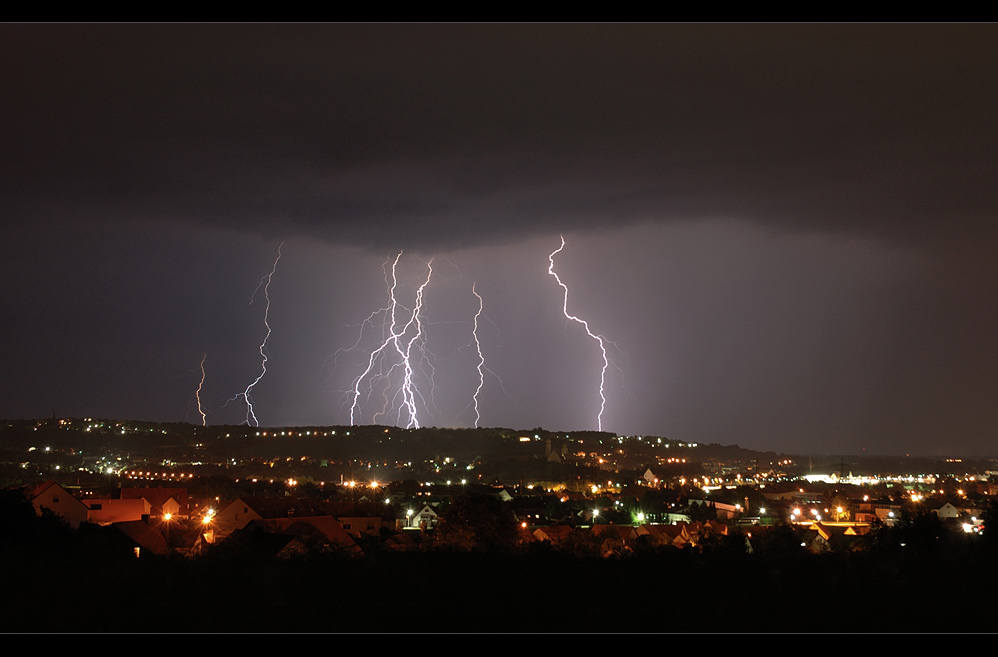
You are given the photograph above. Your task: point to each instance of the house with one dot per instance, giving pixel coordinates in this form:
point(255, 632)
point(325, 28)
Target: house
point(143, 538)
point(946, 510)
point(160, 501)
point(255, 542)
point(722, 510)
point(839, 536)
point(554, 534)
point(358, 526)
point(531, 516)
point(666, 535)
point(104, 511)
point(427, 518)
point(241, 511)
point(886, 512)
point(53, 497)
point(615, 539)
point(320, 532)
point(623, 533)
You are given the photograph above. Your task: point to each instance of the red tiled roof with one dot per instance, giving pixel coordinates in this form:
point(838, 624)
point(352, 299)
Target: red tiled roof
point(157, 497)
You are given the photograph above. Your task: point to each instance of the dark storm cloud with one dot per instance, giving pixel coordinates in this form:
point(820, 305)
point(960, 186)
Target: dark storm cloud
point(788, 230)
point(423, 134)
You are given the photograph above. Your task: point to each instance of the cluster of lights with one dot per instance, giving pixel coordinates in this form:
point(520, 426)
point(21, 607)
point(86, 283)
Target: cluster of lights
point(139, 474)
point(292, 434)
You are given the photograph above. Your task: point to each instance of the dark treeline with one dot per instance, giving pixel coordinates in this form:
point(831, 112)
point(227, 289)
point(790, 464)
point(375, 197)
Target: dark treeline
point(532, 592)
point(916, 577)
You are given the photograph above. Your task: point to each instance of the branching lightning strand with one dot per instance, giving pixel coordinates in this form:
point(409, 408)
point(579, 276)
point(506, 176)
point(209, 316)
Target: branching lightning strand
point(197, 393)
point(396, 337)
point(598, 338)
point(481, 358)
point(265, 283)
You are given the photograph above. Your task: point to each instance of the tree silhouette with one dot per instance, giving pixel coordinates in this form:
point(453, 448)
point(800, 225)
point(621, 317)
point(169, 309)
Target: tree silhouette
point(476, 523)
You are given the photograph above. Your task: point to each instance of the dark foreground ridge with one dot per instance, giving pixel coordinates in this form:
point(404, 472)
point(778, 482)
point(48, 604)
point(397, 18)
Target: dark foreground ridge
point(60, 580)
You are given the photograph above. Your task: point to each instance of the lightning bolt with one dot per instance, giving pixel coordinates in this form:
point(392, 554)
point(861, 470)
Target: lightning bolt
point(265, 284)
point(409, 391)
point(403, 334)
point(598, 338)
point(377, 353)
point(478, 349)
point(197, 393)
point(368, 321)
point(480, 366)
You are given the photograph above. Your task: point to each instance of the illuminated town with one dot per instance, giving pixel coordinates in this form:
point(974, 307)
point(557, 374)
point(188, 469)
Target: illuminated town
point(155, 493)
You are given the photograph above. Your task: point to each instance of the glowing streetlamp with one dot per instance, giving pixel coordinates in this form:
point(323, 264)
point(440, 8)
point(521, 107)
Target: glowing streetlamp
point(206, 520)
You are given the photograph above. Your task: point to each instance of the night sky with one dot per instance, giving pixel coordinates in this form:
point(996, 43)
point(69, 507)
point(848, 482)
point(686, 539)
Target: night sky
point(788, 232)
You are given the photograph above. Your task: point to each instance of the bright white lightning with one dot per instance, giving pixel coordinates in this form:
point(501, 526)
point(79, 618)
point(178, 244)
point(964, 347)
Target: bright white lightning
point(265, 284)
point(389, 311)
point(396, 336)
point(480, 366)
point(481, 358)
point(408, 388)
point(370, 320)
point(598, 338)
point(197, 393)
